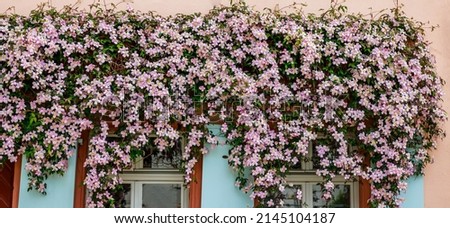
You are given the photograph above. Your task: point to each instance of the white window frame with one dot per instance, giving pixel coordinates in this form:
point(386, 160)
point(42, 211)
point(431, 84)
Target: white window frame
point(137, 180)
point(136, 176)
point(308, 181)
point(307, 178)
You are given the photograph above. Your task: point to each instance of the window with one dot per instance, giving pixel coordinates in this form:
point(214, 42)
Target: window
point(303, 177)
point(154, 180)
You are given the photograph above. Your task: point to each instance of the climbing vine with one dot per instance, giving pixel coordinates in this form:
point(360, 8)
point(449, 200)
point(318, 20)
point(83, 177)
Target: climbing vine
point(364, 90)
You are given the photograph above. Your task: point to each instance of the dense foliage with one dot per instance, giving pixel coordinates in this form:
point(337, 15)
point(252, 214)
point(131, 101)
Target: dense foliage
point(365, 90)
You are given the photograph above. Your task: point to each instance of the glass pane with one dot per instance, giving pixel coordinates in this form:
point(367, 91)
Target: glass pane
point(168, 159)
point(161, 195)
point(315, 159)
point(123, 196)
point(340, 199)
point(291, 199)
point(297, 167)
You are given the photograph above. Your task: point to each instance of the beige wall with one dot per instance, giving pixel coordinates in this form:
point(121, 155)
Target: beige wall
point(437, 177)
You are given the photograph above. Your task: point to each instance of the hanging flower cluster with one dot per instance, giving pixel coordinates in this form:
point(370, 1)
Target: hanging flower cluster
point(364, 90)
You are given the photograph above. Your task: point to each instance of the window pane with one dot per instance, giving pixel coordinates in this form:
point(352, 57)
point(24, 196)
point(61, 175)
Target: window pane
point(123, 196)
point(315, 159)
point(167, 159)
point(341, 197)
point(161, 195)
point(297, 167)
point(291, 199)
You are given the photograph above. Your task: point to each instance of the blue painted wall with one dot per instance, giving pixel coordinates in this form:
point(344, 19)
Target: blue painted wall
point(60, 189)
point(218, 189)
point(414, 195)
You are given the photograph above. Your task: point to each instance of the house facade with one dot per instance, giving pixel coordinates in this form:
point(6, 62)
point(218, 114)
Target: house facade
point(156, 182)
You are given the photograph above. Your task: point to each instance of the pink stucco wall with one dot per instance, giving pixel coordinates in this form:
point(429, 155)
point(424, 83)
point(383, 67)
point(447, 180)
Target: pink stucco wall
point(437, 178)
